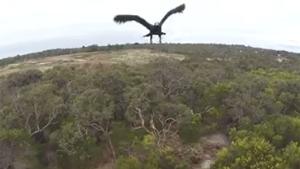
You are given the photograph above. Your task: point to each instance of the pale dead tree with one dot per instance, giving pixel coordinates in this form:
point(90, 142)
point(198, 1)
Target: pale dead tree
point(39, 125)
point(158, 126)
point(158, 116)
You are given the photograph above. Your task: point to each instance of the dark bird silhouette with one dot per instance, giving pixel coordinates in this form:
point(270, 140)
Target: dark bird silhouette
point(154, 29)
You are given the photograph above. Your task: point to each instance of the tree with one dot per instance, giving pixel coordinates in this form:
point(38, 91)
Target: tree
point(12, 144)
point(113, 84)
point(169, 78)
point(128, 163)
point(249, 153)
point(93, 110)
point(291, 155)
point(76, 148)
point(20, 79)
point(149, 110)
point(38, 109)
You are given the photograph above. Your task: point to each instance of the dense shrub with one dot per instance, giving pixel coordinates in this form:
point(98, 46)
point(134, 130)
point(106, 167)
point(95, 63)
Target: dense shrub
point(249, 153)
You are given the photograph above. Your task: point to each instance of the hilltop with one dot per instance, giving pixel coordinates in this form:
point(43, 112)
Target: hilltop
point(169, 106)
point(137, 54)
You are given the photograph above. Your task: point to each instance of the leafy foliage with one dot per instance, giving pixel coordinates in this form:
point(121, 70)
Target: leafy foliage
point(144, 116)
point(249, 153)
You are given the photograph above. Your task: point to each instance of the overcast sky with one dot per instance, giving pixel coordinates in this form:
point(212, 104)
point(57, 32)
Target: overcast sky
point(34, 25)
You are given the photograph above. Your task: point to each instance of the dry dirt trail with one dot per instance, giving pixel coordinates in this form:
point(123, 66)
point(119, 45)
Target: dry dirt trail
point(211, 144)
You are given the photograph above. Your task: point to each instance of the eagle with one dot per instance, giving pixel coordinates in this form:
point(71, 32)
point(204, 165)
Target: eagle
point(155, 29)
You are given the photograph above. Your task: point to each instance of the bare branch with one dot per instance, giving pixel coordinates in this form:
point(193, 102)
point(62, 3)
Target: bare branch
point(52, 116)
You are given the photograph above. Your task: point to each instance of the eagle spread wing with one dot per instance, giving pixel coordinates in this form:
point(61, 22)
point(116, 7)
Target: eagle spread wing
point(126, 18)
point(178, 9)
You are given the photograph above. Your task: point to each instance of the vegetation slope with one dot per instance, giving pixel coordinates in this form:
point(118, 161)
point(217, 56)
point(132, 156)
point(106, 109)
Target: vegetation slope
point(150, 107)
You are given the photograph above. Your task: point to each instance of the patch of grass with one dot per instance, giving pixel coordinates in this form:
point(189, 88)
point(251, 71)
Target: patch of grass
point(127, 56)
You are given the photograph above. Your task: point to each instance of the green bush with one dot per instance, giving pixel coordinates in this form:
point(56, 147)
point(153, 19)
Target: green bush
point(190, 132)
point(76, 148)
point(291, 155)
point(128, 163)
point(249, 153)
